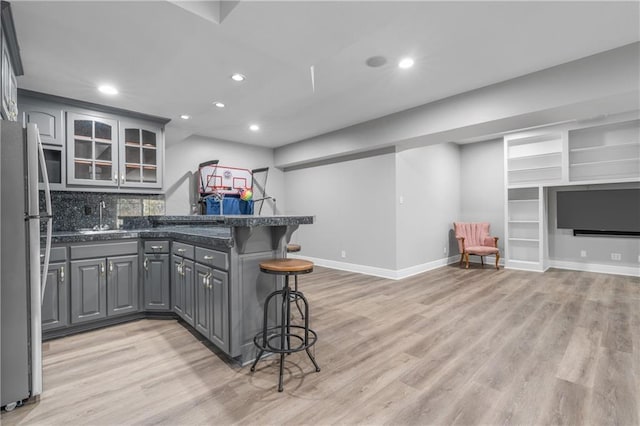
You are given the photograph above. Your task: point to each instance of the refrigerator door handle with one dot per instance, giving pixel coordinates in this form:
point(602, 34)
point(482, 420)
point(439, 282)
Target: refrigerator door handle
point(47, 197)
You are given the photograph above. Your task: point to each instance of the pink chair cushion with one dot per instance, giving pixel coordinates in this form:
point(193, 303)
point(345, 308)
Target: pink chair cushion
point(474, 234)
point(482, 250)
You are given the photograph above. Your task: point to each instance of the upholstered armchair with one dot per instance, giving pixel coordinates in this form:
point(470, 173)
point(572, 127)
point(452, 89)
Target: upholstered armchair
point(474, 238)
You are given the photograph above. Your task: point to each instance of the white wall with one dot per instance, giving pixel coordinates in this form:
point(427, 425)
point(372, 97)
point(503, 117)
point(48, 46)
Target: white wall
point(181, 166)
point(482, 185)
point(428, 180)
point(353, 204)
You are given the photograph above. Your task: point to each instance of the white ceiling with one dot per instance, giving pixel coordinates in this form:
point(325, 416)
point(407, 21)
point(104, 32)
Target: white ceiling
point(167, 61)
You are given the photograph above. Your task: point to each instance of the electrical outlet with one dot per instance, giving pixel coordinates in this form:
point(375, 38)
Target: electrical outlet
point(401, 199)
point(343, 254)
point(444, 250)
point(583, 253)
point(616, 256)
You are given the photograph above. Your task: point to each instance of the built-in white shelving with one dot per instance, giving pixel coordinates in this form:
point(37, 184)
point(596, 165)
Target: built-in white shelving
point(531, 159)
point(610, 151)
point(563, 155)
point(523, 228)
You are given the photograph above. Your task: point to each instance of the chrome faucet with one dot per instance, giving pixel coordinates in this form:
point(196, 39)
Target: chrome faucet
point(102, 206)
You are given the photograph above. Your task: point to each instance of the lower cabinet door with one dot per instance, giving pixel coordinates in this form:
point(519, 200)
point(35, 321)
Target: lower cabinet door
point(156, 282)
point(55, 307)
point(219, 299)
point(203, 299)
point(122, 285)
point(182, 290)
point(177, 285)
point(88, 290)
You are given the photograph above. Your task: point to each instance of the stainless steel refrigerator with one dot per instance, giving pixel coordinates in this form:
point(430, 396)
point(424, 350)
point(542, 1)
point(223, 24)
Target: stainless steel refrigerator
point(22, 271)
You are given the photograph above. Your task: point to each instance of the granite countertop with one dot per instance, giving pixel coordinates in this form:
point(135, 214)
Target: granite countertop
point(216, 231)
point(226, 220)
point(217, 237)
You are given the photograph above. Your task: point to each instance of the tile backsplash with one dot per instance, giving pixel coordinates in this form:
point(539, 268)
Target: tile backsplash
point(75, 210)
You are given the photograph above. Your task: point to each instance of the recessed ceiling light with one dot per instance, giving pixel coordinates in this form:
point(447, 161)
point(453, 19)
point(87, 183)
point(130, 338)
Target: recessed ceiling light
point(219, 104)
point(405, 63)
point(254, 127)
point(238, 77)
point(108, 90)
point(185, 116)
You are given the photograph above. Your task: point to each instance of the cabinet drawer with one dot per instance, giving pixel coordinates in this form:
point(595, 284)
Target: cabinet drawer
point(104, 250)
point(156, 246)
point(58, 254)
point(184, 250)
point(214, 258)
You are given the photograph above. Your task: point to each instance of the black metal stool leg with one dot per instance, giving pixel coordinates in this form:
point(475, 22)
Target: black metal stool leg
point(285, 331)
point(264, 332)
point(306, 332)
point(296, 298)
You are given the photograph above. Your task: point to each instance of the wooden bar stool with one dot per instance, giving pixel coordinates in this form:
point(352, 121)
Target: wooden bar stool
point(277, 339)
point(294, 248)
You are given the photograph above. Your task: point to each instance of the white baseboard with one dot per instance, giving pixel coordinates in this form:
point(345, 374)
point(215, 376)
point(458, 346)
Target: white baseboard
point(599, 268)
point(380, 272)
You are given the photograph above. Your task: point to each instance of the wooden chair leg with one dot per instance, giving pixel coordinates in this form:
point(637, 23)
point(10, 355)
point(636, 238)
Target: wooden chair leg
point(466, 256)
point(461, 258)
point(482, 261)
point(497, 260)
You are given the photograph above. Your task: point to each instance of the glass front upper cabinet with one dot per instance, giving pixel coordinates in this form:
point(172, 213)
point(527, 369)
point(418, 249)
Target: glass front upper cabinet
point(140, 155)
point(92, 150)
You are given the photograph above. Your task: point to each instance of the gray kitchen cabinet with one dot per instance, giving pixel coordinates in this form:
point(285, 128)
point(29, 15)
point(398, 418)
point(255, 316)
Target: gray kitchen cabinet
point(49, 120)
point(212, 301)
point(90, 145)
point(182, 288)
point(140, 155)
point(9, 85)
point(104, 280)
point(55, 309)
point(203, 299)
point(88, 290)
point(156, 280)
point(122, 285)
point(92, 150)
point(219, 299)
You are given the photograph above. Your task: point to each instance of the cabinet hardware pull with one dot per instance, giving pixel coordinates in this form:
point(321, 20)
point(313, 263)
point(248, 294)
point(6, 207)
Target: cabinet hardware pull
point(41, 256)
point(122, 178)
point(146, 263)
point(115, 177)
point(101, 268)
point(181, 250)
point(208, 257)
point(156, 247)
point(62, 274)
point(110, 266)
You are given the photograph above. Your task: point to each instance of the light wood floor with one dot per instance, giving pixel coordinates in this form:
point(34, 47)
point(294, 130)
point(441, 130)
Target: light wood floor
point(450, 346)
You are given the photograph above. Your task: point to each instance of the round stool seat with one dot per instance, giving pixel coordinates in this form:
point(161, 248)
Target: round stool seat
point(292, 248)
point(286, 266)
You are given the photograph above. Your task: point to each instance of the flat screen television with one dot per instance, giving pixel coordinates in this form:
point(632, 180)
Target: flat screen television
point(600, 212)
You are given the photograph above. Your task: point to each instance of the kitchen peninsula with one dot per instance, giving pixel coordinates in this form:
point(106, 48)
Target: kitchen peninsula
point(204, 269)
